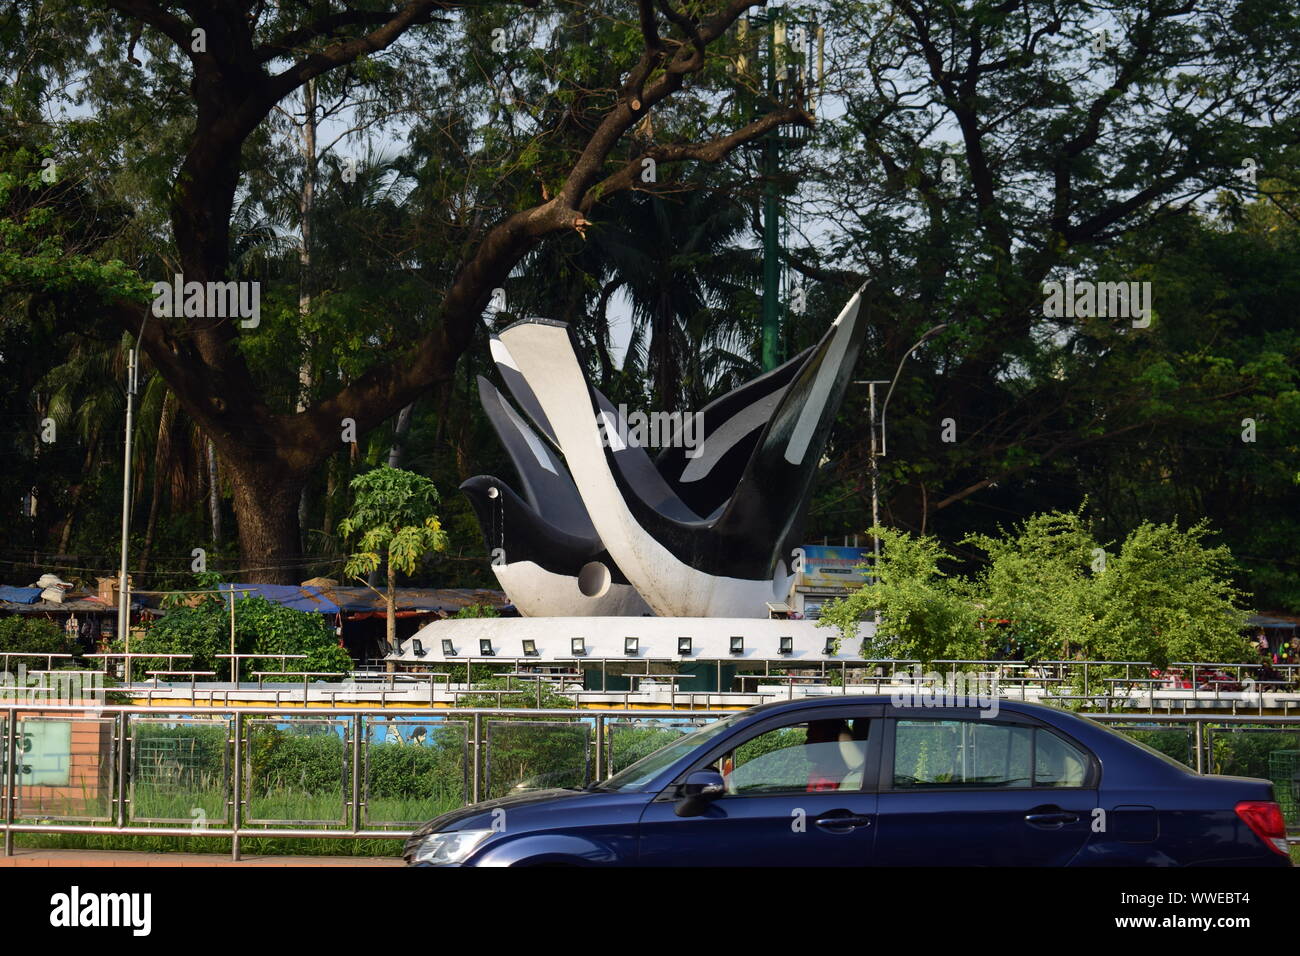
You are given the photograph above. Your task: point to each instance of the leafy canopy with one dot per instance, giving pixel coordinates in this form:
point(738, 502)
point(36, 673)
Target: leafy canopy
point(261, 627)
point(1167, 595)
point(394, 515)
point(922, 613)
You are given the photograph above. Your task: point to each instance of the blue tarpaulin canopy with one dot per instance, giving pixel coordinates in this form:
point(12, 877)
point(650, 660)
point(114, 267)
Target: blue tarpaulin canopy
point(360, 600)
point(300, 598)
point(19, 595)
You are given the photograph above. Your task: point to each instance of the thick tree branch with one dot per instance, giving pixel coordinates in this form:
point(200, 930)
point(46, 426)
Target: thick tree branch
point(709, 152)
point(345, 51)
point(324, 27)
point(371, 398)
point(153, 14)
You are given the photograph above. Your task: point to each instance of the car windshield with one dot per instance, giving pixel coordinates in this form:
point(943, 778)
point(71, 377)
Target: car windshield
point(635, 777)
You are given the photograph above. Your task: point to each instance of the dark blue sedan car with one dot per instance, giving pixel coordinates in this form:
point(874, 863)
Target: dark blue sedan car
point(858, 781)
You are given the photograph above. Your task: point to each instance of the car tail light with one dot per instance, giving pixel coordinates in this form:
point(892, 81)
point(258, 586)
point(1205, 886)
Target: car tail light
point(1264, 817)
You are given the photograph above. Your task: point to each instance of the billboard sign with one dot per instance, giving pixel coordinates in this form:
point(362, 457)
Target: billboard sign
point(825, 566)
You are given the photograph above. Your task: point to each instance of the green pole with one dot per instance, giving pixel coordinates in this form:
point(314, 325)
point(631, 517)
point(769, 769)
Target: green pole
point(771, 226)
point(771, 259)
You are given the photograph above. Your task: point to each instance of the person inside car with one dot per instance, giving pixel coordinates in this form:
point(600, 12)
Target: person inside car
point(836, 755)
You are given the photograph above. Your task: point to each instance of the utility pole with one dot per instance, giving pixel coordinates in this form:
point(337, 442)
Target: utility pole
point(878, 446)
point(771, 259)
point(123, 588)
point(791, 46)
point(771, 168)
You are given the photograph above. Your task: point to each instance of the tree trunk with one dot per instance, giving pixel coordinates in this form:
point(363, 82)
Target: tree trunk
point(268, 456)
point(391, 628)
point(602, 332)
point(266, 504)
point(76, 491)
point(306, 209)
point(161, 459)
point(331, 486)
point(397, 451)
point(214, 494)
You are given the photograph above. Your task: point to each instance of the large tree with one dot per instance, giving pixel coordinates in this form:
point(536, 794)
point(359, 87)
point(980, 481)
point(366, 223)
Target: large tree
point(988, 147)
point(238, 62)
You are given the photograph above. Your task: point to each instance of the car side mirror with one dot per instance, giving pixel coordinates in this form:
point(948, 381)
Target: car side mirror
point(698, 791)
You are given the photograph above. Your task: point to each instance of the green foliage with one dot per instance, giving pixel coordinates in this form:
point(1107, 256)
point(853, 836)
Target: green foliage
point(524, 696)
point(394, 515)
point(37, 228)
point(282, 760)
point(1246, 751)
point(924, 613)
point(628, 744)
point(1166, 596)
point(416, 772)
point(1039, 578)
point(786, 738)
point(537, 755)
point(1146, 422)
point(1172, 743)
point(477, 610)
point(261, 627)
point(280, 630)
point(24, 634)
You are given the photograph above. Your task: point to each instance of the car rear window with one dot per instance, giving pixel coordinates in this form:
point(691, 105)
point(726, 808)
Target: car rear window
point(1172, 761)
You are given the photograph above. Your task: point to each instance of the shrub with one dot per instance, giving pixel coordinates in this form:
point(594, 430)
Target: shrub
point(21, 634)
point(260, 627)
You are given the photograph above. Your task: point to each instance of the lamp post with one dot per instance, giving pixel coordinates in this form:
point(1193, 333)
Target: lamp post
point(879, 447)
point(123, 590)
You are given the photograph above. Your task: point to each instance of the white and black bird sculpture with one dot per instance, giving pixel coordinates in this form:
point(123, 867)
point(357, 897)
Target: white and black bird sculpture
point(701, 531)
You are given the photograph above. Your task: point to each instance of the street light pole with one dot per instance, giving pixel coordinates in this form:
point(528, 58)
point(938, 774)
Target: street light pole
point(879, 448)
point(123, 589)
point(875, 471)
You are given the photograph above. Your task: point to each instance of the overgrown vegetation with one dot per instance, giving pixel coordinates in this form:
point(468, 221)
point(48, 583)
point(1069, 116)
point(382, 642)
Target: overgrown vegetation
point(25, 634)
point(261, 627)
point(1052, 590)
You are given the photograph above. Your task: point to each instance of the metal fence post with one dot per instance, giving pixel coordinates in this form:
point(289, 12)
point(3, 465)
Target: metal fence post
point(357, 731)
point(475, 761)
point(238, 790)
point(123, 749)
point(600, 747)
point(1199, 731)
point(10, 755)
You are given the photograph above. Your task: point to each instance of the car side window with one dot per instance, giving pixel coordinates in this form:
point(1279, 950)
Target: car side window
point(806, 757)
point(961, 753)
point(1057, 763)
point(982, 754)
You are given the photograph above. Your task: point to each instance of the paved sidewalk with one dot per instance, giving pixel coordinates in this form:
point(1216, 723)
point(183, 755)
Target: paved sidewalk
point(97, 858)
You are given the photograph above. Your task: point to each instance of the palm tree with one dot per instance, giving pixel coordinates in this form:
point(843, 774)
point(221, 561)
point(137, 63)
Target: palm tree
point(690, 284)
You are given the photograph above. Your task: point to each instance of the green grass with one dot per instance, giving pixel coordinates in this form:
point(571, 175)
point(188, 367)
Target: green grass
point(275, 804)
point(249, 846)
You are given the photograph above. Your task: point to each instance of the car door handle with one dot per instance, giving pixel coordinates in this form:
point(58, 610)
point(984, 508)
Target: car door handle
point(1050, 819)
point(844, 821)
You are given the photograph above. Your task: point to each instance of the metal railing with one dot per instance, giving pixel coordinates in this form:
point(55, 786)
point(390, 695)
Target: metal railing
point(107, 809)
point(243, 803)
point(1094, 684)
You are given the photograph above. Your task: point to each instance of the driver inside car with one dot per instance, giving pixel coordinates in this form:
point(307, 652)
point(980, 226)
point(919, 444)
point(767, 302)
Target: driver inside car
point(830, 757)
point(835, 755)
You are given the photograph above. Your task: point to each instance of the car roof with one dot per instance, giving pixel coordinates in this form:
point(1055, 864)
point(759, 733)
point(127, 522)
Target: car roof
point(839, 700)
